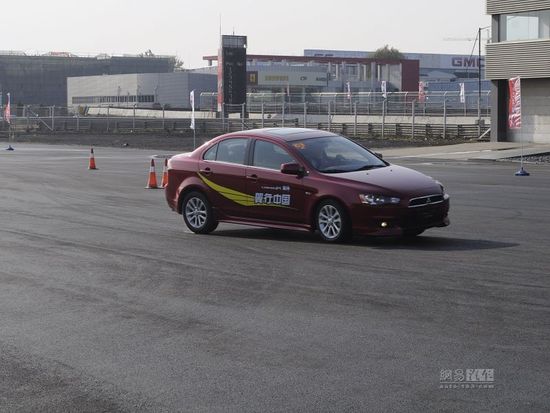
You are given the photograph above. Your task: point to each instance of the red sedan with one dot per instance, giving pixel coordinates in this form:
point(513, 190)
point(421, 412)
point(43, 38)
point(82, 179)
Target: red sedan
point(305, 180)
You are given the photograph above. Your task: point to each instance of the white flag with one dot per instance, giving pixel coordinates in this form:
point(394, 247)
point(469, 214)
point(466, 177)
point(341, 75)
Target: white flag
point(384, 88)
point(462, 93)
point(348, 87)
point(192, 99)
point(421, 92)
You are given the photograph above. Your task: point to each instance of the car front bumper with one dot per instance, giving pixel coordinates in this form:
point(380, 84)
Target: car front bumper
point(398, 220)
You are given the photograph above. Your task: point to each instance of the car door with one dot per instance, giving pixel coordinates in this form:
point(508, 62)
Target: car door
point(277, 197)
point(223, 170)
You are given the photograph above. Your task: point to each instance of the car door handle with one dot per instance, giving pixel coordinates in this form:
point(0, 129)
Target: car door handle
point(252, 177)
point(206, 171)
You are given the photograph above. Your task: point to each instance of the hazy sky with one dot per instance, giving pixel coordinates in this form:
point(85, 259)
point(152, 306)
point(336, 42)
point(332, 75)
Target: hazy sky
point(190, 29)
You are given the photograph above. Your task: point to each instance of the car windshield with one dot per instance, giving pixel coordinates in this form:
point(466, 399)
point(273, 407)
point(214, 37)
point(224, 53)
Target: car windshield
point(336, 154)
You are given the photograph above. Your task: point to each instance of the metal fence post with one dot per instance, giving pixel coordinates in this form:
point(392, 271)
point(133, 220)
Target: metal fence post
point(223, 117)
point(263, 115)
point(283, 123)
point(355, 119)
point(134, 119)
point(413, 111)
point(305, 114)
point(369, 103)
point(445, 116)
point(383, 118)
point(78, 120)
point(329, 111)
point(53, 118)
point(479, 112)
point(108, 107)
point(163, 117)
point(242, 115)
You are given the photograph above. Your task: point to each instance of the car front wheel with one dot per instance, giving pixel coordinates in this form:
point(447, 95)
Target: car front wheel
point(197, 213)
point(332, 222)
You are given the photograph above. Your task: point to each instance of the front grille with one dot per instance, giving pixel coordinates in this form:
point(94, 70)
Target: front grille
point(426, 200)
point(418, 218)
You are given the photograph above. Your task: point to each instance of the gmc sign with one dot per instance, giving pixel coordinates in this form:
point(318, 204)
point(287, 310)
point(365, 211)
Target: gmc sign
point(467, 62)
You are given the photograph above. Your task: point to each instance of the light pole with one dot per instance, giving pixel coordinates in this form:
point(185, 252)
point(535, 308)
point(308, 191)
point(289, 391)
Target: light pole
point(479, 80)
point(479, 77)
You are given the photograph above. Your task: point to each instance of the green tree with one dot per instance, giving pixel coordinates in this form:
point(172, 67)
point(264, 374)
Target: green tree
point(388, 53)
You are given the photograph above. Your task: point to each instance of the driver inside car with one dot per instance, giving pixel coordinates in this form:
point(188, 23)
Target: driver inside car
point(318, 156)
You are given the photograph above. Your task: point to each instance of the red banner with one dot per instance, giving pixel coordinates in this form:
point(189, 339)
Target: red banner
point(7, 110)
point(514, 105)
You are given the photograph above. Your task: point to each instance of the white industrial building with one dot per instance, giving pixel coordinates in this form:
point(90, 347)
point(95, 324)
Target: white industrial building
point(148, 90)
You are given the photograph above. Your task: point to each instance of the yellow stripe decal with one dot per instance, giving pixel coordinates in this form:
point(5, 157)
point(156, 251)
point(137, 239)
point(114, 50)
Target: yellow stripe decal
point(236, 196)
point(231, 194)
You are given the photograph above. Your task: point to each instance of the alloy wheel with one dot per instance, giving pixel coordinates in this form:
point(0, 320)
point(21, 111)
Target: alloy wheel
point(196, 213)
point(330, 222)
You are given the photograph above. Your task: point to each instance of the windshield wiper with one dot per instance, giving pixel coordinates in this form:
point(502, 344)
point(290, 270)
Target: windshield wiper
point(341, 171)
point(334, 171)
point(369, 167)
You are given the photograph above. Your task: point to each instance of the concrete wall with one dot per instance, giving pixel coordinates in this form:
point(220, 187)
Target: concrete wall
point(535, 112)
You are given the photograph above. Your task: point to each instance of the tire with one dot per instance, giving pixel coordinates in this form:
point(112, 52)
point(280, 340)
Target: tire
point(412, 233)
point(333, 222)
point(197, 213)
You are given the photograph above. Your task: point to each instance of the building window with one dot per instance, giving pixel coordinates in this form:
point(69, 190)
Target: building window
point(525, 26)
point(79, 100)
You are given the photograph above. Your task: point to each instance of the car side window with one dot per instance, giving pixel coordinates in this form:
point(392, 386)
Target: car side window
point(269, 155)
point(232, 151)
point(210, 154)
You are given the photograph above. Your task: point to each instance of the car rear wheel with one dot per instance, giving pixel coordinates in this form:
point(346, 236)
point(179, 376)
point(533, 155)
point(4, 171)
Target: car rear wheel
point(332, 222)
point(197, 213)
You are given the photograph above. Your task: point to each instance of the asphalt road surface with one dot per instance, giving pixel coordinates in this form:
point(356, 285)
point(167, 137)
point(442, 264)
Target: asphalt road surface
point(107, 303)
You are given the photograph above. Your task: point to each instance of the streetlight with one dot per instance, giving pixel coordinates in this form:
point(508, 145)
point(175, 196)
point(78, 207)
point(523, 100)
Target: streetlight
point(479, 77)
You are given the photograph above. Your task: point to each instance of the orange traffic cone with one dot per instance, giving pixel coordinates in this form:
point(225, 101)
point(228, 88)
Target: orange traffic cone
point(91, 163)
point(164, 182)
point(152, 182)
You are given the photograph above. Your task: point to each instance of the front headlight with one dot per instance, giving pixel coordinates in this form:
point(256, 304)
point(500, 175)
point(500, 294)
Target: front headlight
point(375, 200)
point(441, 186)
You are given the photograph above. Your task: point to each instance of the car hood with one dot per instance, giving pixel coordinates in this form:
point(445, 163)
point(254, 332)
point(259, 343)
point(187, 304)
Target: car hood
point(394, 179)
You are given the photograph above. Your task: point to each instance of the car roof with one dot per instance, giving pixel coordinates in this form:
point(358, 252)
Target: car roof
point(284, 134)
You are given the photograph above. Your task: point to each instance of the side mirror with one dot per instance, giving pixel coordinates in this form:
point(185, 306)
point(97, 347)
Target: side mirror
point(379, 155)
point(292, 169)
